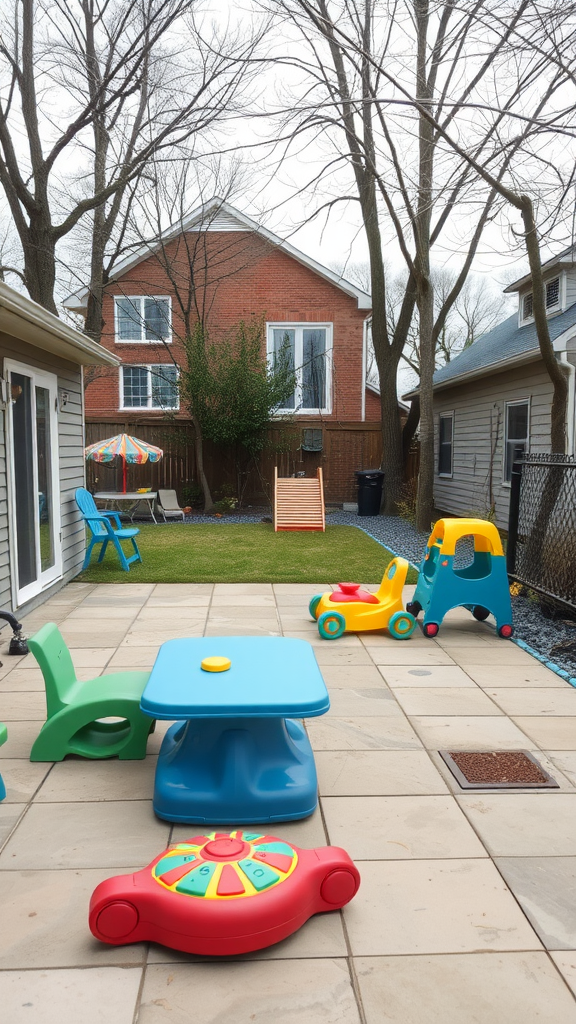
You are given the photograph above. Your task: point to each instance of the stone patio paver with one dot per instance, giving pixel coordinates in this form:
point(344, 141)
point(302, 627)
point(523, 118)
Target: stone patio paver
point(545, 888)
point(466, 908)
point(489, 988)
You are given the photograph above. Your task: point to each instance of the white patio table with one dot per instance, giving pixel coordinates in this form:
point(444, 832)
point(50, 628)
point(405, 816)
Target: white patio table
point(134, 497)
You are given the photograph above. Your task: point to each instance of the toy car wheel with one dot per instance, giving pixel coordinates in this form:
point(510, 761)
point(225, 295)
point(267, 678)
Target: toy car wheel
point(480, 613)
point(414, 607)
point(315, 601)
point(331, 625)
point(505, 631)
point(401, 625)
point(431, 629)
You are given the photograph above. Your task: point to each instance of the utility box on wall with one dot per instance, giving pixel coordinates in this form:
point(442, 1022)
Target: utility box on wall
point(311, 439)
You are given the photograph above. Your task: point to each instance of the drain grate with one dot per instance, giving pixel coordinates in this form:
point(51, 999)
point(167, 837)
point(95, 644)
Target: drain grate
point(497, 769)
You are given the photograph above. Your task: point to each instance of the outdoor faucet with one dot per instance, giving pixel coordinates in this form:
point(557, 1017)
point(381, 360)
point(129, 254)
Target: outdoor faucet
point(18, 643)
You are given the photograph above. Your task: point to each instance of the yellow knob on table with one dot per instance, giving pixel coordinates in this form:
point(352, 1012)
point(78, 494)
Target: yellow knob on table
point(215, 664)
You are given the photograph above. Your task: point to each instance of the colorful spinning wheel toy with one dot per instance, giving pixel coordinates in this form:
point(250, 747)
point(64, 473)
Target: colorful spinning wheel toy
point(223, 893)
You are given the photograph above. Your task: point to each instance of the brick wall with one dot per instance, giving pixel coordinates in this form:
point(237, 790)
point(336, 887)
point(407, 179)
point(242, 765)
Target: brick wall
point(237, 275)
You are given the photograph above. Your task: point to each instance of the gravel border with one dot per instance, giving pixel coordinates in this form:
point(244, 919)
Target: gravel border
point(533, 632)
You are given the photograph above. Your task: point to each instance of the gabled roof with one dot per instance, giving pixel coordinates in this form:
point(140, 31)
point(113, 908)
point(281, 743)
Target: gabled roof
point(563, 259)
point(28, 321)
point(507, 343)
point(217, 215)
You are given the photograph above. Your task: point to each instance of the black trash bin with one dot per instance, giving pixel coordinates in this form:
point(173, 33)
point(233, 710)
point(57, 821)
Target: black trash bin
point(370, 485)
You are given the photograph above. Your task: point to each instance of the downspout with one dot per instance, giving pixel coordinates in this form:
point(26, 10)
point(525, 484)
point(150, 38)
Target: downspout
point(571, 409)
point(364, 368)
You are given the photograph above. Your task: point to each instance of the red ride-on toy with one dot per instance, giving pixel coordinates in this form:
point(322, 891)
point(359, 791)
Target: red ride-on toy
point(351, 609)
point(223, 893)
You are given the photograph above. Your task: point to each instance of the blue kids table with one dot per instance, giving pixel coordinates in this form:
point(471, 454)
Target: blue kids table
point(238, 757)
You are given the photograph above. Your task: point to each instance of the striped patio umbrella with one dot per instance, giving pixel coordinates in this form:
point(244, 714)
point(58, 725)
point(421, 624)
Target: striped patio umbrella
point(130, 449)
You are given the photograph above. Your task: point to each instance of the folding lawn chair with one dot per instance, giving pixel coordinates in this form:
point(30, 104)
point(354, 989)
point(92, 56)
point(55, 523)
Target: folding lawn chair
point(168, 505)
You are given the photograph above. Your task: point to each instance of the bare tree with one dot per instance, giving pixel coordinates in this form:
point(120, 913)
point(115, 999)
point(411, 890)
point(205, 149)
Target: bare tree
point(96, 89)
point(528, 165)
point(401, 177)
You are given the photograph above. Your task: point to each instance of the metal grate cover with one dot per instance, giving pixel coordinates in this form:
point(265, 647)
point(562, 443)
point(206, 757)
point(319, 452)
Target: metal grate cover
point(497, 769)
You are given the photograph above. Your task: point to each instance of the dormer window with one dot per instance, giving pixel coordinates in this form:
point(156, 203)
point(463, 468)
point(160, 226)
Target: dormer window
point(552, 300)
point(553, 293)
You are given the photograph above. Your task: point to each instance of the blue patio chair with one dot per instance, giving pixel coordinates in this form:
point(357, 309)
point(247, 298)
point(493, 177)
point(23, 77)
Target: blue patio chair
point(103, 532)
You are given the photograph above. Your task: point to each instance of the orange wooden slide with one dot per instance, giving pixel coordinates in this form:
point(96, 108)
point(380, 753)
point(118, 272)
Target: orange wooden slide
point(299, 502)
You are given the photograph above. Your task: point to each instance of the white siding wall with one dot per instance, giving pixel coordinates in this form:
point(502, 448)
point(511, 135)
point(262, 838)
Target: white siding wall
point(479, 424)
point(71, 458)
point(570, 287)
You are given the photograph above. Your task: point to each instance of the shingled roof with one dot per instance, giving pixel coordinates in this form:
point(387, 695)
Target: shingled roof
point(502, 344)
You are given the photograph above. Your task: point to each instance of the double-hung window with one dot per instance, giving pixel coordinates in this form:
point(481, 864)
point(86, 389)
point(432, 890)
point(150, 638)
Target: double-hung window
point(445, 443)
point(553, 295)
point(142, 319)
point(516, 434)
point(149, 387)
point(307, 348)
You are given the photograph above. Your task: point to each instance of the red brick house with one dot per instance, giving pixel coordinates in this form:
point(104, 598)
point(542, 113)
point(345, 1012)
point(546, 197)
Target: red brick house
point(223, 267)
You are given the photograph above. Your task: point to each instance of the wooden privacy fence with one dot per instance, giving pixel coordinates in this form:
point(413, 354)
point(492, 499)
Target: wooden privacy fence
point(346, 447)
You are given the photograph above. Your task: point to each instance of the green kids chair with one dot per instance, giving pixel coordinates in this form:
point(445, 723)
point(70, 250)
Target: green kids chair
point(78, 712)
point(3, 738)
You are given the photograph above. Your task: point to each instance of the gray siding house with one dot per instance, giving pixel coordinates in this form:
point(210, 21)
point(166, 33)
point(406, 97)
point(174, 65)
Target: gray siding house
point(493, 400)
point(41, 449)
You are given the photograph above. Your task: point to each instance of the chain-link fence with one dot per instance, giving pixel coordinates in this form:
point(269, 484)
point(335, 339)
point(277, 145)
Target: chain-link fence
point(542, 525)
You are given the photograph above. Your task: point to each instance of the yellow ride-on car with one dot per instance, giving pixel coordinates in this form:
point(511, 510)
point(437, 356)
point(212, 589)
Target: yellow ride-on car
point(349, 609)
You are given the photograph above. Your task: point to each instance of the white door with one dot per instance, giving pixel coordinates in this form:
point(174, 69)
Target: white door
point(33, 480)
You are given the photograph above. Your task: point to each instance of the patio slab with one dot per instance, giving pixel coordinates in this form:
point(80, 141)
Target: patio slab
point(469, 732)
point(545, 888)
point(85, 835)
point(44, 921)
point(49, 997)
point(538, 824)
point(435, 906)
point(377, 773)
point(400, 828)
point(488, 988)
point(316, 991)
point(390, 733)
point(445, 700)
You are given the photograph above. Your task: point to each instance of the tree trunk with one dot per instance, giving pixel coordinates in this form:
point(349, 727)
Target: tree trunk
point(425, 497)
point(199, 453)
point(40, 262)
point(556, 372)
point(391, 436)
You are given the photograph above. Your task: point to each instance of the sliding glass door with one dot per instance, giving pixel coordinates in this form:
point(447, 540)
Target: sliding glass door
point(34, 498)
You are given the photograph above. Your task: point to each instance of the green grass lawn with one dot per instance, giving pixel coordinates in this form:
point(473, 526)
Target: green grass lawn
point(249, 553)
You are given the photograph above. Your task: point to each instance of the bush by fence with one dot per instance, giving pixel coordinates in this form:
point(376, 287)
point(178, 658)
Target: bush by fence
point(542, 526)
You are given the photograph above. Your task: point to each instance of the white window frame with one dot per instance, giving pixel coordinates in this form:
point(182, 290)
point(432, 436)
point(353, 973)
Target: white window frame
point(449, 415)
point(142, 340)
point(517, 401)
point(560, 303)
point(298, 326)
point(149, 407)
point(550, 310)
point(20, 595)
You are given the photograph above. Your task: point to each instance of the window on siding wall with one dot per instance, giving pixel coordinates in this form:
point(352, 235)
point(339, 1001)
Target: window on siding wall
point(142, 319)
point(527, 306)
point(445, 439)
point(307, 347)
point(149, 387)
point(516, 435)
point(553, 293)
